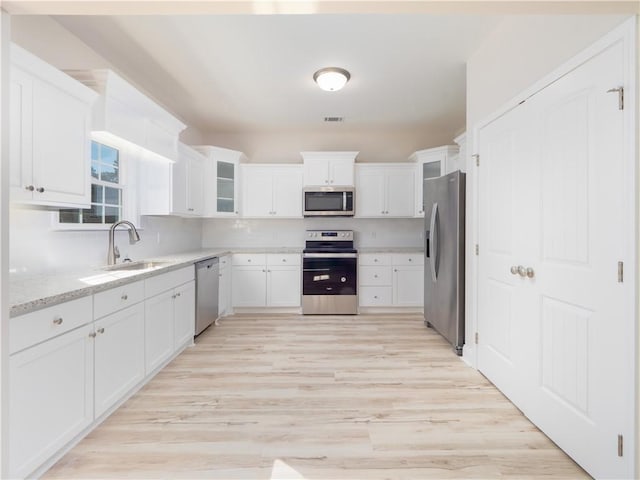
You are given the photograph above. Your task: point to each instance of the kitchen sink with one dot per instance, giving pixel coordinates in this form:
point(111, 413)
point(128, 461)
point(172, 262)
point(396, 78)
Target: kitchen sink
point(133, 266)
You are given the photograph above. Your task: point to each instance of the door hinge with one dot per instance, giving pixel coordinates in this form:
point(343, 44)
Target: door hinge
point(476, 338)
point(620, 91)
point(620, 272)
point(477, 249)
point(620, 446)
point(477, 157)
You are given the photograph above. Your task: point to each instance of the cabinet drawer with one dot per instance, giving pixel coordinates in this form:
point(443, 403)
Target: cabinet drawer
point(375, 296)
point(117, 298)
point(283, 259)
point(38, 326)
point(249, 259)
point(374, 275)
point(166, 281)
point(374, 259)
point(408, 259)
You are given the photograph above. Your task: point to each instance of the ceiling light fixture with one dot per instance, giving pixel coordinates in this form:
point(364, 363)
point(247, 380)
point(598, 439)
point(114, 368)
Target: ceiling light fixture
point(331, 78)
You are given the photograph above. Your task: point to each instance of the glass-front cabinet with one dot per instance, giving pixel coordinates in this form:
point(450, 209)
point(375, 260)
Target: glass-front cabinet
point(221, 180)
point(432, 162)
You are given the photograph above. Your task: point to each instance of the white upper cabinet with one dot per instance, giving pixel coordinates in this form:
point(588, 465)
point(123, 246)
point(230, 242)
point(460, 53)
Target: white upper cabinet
point(173, 188)
point(433, 162)
point(221, 180)
point(272, 191)
point(328, 168)
point(125, 116)
point(50, 123)
point(385, 190)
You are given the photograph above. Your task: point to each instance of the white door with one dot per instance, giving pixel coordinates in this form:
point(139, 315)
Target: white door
point(370, 194)
point(408, 286)
point(283, 289)
point(158, 330)
point(195, 204)
point(341, 172)
point(119, 355)
point(400, 193)
point(287, 192)
point(561, 344)
point(257, 192)
point(185, 314)
point(249, 287)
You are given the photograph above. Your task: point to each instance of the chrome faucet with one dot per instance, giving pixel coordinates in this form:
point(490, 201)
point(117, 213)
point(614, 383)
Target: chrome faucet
point(113, 252)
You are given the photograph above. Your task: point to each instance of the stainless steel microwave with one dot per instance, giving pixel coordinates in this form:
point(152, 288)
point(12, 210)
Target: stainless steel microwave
point(328, 201)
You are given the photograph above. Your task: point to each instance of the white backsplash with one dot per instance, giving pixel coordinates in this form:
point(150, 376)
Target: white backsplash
point(36, 247)
point(249, 233)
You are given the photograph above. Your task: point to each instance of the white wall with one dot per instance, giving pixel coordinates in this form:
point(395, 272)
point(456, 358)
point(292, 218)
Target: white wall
point(374, 146)
point(230, 233)
point(36, 247)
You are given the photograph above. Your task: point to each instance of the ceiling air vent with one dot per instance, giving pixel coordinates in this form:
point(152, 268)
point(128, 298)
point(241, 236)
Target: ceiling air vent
point(333, 119)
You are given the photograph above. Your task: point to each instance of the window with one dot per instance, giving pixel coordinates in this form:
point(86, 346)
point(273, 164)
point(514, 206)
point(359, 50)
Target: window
point(106, 190)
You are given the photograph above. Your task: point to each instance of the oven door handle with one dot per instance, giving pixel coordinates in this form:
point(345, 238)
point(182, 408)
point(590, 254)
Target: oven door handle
point(316, 269)
point(329, 255)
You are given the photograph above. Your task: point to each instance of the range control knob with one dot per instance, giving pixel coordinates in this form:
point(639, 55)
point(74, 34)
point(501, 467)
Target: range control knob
point(343, 279)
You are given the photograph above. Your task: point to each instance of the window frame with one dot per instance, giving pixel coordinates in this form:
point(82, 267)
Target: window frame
point(127, 171)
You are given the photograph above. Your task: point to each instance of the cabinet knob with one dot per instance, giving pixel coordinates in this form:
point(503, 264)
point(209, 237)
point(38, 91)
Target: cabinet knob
point(375, 296)
point(375, 259)
point(124, 296)
point(57, 321)
point(31, 188)
point(40, 190)
point(92, 335)
point(375, 276)
point(101, 330)
point(411, 259)
point(395, 269)
point(264, 271)
point(178, 294)
point(284, 260)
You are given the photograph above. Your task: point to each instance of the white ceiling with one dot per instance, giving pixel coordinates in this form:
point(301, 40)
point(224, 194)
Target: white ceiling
point(253, 73)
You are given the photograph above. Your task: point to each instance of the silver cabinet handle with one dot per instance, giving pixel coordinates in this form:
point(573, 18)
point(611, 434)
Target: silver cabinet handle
point(124, 296)
point(92, 335)
point(375, 296)
point(40, 190)
point(530, 272)
point(514, 270)
point(57, 321)
point(178, 294)
point(101, 330)
point(375, 259)
point(31, 188)
point(395, 269)
point(522, 271)
point(411, 259)
point(264, 271)
point(375, 276)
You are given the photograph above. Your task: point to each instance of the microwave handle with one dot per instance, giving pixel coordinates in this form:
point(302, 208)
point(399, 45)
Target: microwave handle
point(344, 201)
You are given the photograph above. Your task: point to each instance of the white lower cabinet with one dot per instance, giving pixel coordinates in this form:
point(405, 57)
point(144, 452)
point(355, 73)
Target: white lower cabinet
point(119, 356)
point(391, 280)
point(50, 398)
point(266, 280)
point(224, 289)
point(169, 315)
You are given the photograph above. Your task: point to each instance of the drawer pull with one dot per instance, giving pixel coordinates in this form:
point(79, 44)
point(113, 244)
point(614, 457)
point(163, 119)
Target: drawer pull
point(375, 296)
point(284, 260)
point(178, 294)
point(248, 260)
point(101, 330)
point(411, 259)
point(40, 190)
point(375, 276)
point(57, 321)
point(124, 296)
point(375, 259)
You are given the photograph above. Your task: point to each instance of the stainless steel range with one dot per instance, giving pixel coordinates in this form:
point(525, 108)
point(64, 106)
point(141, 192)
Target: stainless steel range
point(329, 273)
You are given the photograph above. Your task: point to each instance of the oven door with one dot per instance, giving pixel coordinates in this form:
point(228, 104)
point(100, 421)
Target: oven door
point(329, 274)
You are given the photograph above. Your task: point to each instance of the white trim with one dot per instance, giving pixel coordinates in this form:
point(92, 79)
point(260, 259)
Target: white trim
point(5, 40)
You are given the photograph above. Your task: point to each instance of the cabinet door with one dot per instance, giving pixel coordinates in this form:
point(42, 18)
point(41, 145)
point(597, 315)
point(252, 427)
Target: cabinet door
point(50, 398)
point(257, 192)
point(370, 192)
point(226, 188)
point(408, 286)
point(119, 356)
point(21, 140)
point(341, 172)
point(287, 192)
point(400, 194)
point(195, 188)
point(180, 186)
point(158, 330)
point(249, 286)
point(316, 172)
point(283, 286)
point(185, 314)
point(61, 159)
point(224, 292)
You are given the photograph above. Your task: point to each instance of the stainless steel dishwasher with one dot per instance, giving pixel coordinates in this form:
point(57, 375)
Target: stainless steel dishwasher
point(207, 283)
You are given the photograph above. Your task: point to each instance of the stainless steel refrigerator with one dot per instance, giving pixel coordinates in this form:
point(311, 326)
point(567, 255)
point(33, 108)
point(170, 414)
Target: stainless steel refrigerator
point(444, 201)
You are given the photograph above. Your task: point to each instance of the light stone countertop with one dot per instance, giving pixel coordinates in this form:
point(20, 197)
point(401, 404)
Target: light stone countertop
point(391, 250)
point(28, 293)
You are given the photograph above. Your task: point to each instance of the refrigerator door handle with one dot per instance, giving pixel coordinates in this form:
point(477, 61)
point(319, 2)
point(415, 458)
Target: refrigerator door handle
point(434, 242)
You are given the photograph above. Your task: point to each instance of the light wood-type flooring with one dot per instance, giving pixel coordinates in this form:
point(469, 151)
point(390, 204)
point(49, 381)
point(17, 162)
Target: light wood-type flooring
point(330, 397)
